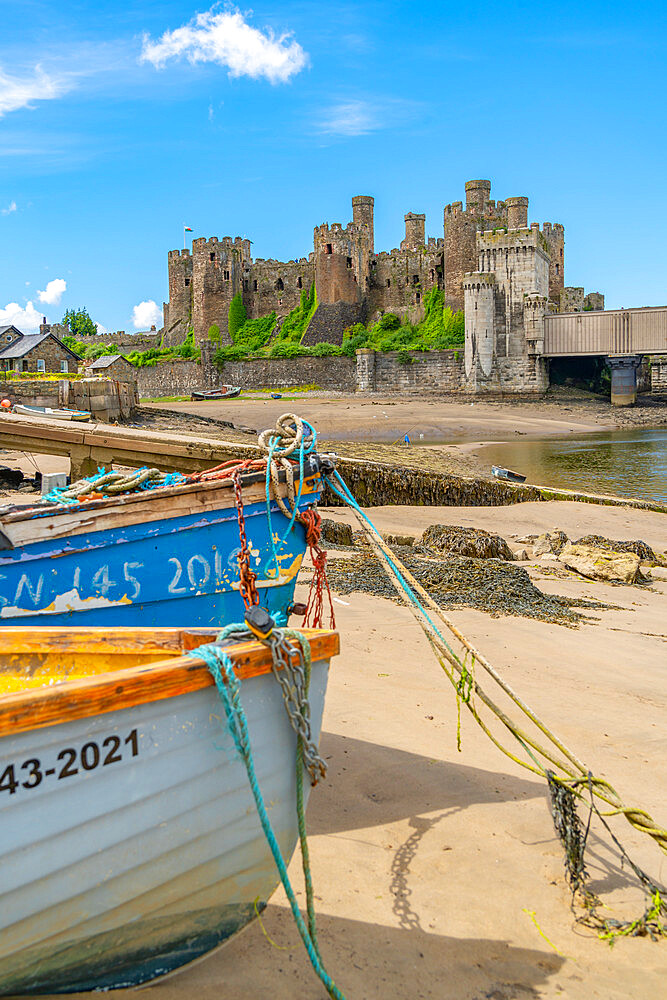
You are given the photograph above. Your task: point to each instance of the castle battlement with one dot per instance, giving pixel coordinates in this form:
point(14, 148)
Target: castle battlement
point(481, 235)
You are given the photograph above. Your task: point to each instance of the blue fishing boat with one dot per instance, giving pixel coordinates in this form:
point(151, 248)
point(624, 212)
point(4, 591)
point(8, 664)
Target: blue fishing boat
point(130, 844)
point(158, 557)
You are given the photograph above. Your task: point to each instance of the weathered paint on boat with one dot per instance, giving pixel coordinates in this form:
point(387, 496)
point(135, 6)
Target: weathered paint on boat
point(159, 558)
point(138, 848)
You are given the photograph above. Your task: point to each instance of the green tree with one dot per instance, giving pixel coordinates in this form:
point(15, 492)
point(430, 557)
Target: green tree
point(79, 322)
point(237, 315)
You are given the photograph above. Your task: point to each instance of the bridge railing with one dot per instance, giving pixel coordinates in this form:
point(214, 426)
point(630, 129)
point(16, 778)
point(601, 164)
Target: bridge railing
point(617, 331)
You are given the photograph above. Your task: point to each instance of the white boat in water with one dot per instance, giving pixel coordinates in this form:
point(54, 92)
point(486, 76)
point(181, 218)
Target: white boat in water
point(130, 840)
point(47, 411)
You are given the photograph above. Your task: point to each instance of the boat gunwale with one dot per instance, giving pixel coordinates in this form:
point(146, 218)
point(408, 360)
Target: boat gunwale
point(38, 708)
point(17, 513)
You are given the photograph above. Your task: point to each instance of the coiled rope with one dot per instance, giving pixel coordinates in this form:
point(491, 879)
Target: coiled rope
point(556, 756)
point(229, 689)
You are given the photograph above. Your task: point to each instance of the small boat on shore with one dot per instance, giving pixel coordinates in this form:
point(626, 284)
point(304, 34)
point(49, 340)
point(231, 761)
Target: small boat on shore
point(224, 392)
point(131, 844)
point(507, 474)
point(53, 414)
point(154, 557)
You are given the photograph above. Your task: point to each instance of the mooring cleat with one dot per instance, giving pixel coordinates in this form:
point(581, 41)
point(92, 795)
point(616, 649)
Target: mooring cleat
point(260, 622)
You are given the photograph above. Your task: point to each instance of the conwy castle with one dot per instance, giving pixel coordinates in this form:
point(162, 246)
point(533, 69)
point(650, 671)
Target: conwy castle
point(506, 275)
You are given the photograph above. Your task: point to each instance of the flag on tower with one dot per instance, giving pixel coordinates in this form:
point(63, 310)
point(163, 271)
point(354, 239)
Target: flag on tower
point(187, 229)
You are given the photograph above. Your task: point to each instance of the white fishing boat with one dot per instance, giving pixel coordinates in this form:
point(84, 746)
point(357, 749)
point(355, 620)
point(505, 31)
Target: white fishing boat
point(53, 414)
point(130, 844)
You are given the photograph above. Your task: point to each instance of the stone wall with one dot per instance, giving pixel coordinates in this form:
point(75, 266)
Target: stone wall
point(107, 399)
point(659, 375)
point(429, 371)
point(179, 378)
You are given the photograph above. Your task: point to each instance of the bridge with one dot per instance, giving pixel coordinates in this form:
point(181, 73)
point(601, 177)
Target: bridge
point(622, 336)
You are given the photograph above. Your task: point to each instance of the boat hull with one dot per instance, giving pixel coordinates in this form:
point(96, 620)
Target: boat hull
point(165, 572)
point(124, 872)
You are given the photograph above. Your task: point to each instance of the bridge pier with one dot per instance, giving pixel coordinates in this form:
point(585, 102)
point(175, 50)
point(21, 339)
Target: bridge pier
point(624, 379)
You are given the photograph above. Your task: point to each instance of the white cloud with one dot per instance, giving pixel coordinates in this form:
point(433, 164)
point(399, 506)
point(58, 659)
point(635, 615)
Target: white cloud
point(100, 328)
point(145, 315)
point(10, 208)
point(349, 118)
point(20, 92)
point(225, 38)
point(359, 117)
point(26, 319)
point(53, 292)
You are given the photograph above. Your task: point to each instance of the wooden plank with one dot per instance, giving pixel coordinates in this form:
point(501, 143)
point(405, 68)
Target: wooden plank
point(38, 708)
point(23, 528)
point(17, 639)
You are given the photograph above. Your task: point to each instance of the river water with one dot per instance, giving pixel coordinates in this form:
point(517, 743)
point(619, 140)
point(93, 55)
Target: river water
point(627, 463)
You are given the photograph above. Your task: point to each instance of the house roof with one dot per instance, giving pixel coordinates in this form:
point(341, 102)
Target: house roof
point(109, 359)
point(27, 342)
point(6, 329)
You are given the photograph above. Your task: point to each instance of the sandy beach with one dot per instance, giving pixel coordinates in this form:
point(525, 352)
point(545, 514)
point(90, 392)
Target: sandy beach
point(437, 873)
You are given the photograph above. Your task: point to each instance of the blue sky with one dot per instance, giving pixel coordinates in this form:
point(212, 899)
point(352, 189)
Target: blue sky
point(121, 122)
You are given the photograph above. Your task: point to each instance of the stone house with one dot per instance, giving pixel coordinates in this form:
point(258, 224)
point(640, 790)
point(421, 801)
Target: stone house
point(113, 366)
point(35, 352)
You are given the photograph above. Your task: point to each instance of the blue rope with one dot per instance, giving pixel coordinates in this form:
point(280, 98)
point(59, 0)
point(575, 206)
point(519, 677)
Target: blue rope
point(229, 689)
point(308, 445)
point(347, 496)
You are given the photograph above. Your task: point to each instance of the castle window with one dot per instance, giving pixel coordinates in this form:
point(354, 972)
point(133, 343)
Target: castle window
point(388, 283)
point(226, 275)
point(187, 282)
point(299, 282)
point(254, 286)
point(279, 285)
point(329, 248)
point(557, 268)
point(418, 298)
point(245, 285)
point(561, 253)
point(415, 279)
point(212, 255)
point(432, 275)
point(349, 262)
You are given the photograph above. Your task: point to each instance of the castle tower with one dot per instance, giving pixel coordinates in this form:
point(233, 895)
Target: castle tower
point(517, 213)
point(479, 291)
point(178, 311)
point(477, 196)
point(362, 215)
point(555, 237)
point(217, 276)
point(415, 231)
point(461, 226)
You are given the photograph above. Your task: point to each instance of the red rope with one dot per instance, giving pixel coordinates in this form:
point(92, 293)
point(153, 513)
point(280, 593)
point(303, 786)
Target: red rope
point(314, 617)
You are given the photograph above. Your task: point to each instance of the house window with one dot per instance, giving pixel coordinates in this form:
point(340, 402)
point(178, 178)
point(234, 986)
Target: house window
point(64, 367)
point(226, 275)
point(41, 365)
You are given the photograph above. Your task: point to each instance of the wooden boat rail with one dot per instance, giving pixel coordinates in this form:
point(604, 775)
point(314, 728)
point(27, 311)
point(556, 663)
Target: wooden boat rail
point(37, 708)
